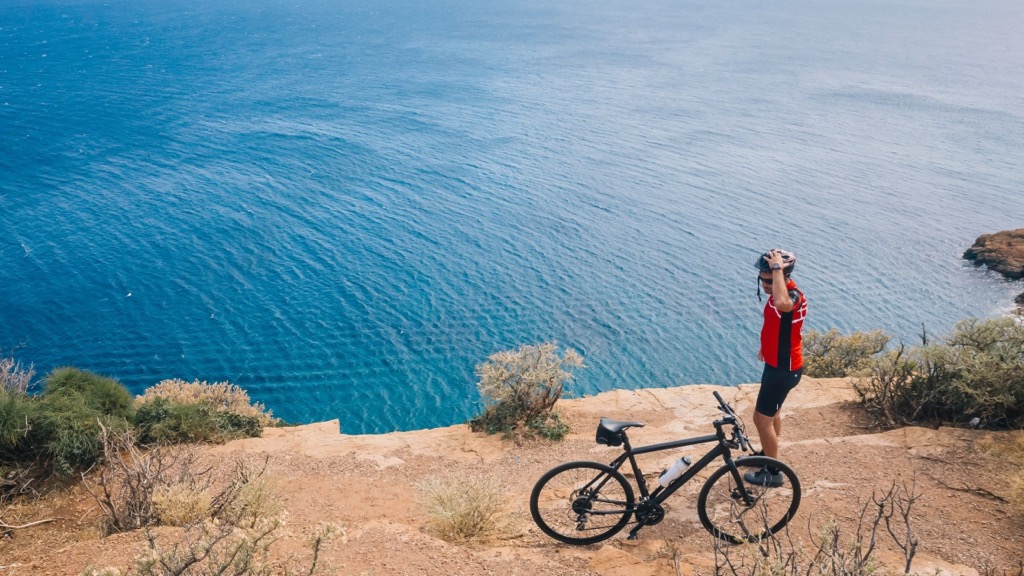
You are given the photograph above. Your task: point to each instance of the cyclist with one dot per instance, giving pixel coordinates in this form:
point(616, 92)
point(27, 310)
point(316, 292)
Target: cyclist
point(781, 350)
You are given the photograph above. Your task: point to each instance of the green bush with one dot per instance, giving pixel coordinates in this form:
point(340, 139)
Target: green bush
point(834, 355)
point(104, 395)
point(976, 372)
point(549, 426)
point(57, 433)
point(65, 434)
point(520, 388)
point(162, 421)
point(16, 411)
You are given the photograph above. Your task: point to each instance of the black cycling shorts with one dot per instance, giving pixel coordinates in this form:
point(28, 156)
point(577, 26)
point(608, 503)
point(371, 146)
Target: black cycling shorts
point(775, 386)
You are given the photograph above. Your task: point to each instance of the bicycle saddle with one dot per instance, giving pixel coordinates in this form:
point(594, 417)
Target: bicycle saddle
point(609, 431)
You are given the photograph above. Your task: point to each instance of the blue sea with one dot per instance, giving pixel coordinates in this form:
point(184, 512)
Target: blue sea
point(344, 206)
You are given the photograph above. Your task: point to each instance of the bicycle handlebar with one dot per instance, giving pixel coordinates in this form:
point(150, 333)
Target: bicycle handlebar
point(724, 407)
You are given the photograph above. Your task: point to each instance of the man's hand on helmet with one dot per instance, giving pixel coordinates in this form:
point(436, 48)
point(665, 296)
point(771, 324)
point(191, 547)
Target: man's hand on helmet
point(785, 260)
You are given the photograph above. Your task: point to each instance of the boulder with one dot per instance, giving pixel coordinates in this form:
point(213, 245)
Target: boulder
point(1002, 252)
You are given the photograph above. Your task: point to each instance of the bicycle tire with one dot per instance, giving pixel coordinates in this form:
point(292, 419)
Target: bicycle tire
point(565, 506)
point(723, 513)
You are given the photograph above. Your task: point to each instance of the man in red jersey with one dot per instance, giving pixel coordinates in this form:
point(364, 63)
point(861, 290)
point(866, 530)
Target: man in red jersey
point(782, 353)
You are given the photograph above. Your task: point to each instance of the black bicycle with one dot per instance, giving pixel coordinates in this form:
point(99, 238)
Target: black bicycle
point(587, 502)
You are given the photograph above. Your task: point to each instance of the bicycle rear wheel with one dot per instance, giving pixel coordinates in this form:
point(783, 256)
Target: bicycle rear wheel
point(581, 502)
point(723, 511)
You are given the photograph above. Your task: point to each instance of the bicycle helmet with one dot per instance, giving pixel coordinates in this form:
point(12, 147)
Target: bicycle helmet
point(763, 267)
point(788, 261)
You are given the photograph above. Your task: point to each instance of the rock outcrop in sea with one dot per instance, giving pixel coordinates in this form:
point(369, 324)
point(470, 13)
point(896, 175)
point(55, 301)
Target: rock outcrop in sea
point(1002, 252)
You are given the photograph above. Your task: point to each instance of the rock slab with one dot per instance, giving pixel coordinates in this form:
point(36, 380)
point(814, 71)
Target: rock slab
point(1002, 252)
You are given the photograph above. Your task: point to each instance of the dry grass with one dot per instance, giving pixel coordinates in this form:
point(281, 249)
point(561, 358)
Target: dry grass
point(14, 377)
point(108, 571)
point(182, 504)
point(223, 396)
point(461, 509)
point(256, 497)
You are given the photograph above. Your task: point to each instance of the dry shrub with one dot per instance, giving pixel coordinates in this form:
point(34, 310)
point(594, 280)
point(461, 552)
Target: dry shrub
point(229, 519)
point(830, 551)
point(253, 495)
point(461, 509)
point(14, 377)
point(222, 396)
point(210, 548)
point(136, 488)
point(895, 391)
point(834, 355)
point(977, 372)
point(213, 548)
point(520, 388)
point(125, 484)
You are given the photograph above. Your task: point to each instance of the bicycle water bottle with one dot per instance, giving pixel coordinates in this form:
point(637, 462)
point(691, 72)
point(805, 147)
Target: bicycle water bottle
point(674, 472)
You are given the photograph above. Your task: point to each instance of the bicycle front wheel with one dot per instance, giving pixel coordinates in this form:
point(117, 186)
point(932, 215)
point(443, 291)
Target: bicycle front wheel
point(581, 502)
point(726, 514)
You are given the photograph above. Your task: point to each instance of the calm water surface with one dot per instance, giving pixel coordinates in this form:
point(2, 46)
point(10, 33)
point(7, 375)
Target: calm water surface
point(345, 206)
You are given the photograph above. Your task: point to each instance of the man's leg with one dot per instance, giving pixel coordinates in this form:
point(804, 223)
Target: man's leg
point(768, 428)
point(775, 387)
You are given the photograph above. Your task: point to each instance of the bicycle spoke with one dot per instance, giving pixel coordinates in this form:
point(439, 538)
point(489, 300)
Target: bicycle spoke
point(728, 515)
point(582, 502)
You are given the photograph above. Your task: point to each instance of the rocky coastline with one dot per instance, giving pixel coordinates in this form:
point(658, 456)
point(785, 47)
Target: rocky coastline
point(1002, 252)
point(369, 485)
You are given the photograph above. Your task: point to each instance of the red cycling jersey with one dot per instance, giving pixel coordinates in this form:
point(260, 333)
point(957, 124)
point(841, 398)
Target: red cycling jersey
point(781, 339)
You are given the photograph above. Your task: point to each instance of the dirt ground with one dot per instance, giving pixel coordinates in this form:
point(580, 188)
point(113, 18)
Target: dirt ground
point(369, 485)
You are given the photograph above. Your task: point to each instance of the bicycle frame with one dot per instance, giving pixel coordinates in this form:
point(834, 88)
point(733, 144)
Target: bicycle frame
point(649, 500)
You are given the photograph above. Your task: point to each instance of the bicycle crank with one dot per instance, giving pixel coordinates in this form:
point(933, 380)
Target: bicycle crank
point(650, 515)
